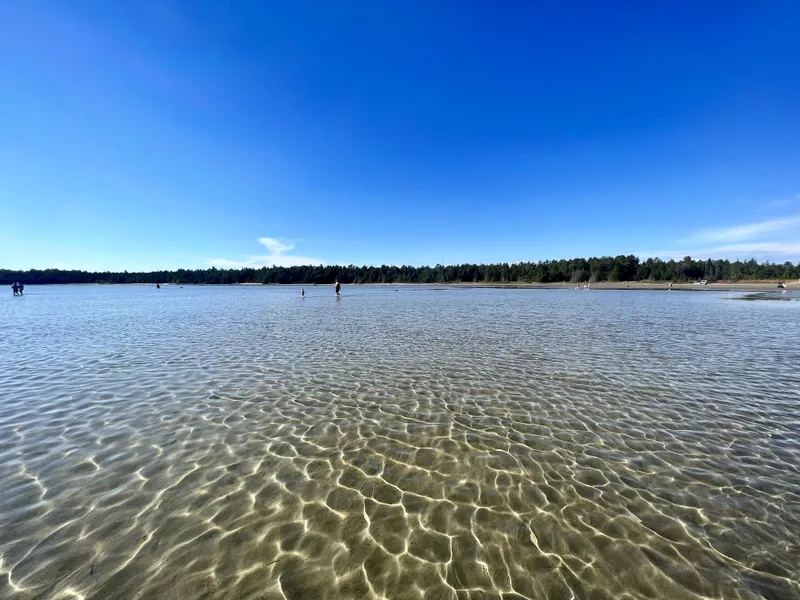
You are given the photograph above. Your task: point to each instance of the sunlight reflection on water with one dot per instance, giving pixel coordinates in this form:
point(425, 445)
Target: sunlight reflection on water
point(238, 442)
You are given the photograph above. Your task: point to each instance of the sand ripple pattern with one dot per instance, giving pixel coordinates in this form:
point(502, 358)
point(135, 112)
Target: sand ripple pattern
point(413, 444)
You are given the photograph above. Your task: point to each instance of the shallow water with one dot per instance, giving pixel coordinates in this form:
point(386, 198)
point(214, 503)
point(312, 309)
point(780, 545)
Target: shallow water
point(238, 442)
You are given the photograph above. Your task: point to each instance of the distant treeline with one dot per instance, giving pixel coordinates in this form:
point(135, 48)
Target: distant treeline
point(576, 270)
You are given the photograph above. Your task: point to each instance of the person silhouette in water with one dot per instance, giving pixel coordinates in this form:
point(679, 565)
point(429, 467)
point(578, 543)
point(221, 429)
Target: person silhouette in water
point(21, 287)
point(15, 288)
point(338, 288)
point(302, 293)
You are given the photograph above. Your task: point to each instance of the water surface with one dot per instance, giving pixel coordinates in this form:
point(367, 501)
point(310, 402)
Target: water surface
point(410, 443)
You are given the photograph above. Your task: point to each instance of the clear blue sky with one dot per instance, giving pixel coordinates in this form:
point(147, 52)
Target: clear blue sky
point(157, 134)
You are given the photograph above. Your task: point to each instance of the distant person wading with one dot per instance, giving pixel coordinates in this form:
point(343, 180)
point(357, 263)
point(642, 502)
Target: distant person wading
point(338, 287)
point(18, 288)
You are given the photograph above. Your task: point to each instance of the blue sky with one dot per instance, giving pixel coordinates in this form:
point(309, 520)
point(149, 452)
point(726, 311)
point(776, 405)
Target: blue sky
point(156, 134)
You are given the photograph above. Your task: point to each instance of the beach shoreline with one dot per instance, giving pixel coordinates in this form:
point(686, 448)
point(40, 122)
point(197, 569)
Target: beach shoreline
point(754, 286)
point(655, 286)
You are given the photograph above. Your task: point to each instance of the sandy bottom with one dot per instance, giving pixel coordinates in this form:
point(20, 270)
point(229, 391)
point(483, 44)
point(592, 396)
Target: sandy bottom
point(461, 461)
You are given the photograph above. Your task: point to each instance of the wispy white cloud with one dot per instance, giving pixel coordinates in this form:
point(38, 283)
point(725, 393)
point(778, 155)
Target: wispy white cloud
point(776, 240)
point(277, 257)
point(275, 246)
point(772, 251)
point(748, 231)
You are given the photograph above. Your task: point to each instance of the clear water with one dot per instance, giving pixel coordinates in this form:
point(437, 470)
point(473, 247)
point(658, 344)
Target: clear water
point(238, 442)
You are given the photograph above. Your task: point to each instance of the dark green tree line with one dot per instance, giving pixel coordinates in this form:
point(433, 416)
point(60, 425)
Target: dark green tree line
point(575, 270)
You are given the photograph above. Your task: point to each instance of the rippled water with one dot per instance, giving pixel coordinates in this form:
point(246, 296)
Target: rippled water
point(210, 442)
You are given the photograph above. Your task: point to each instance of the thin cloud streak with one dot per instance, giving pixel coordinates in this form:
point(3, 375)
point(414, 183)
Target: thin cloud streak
point(772, 251)
point(275, 258)
point(774, 240)
point(745, 232)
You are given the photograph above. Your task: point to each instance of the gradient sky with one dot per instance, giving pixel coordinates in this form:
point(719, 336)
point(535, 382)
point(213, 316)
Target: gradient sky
point(156, 134)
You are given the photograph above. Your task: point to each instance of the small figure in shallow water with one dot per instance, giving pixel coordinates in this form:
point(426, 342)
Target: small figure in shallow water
point(21, 287)
point(302, 293)
point(15, 288)
point(338, 288)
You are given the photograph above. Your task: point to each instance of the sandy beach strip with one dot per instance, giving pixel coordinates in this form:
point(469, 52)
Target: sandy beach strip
point(756, 286)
